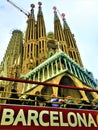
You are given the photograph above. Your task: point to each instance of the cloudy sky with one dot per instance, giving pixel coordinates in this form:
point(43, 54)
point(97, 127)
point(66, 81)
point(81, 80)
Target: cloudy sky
point(81, 16)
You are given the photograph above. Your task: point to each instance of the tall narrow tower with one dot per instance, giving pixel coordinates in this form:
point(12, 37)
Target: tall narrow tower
point(12, 61)
point(72, 48)
point(58, 32)
point(41, 37)
point(29, 43)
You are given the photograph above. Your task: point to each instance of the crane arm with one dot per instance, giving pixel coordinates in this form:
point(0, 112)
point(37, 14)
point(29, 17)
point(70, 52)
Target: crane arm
point(18, 7)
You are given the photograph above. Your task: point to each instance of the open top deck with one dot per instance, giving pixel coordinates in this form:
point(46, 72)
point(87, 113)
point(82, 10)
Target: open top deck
point(24, 116)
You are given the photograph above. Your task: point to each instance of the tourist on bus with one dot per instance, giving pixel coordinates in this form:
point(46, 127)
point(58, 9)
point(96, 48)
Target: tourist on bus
point(30, 100)
point(14, 98)
point(69, 102)
point(39, 99)
point(55, 101)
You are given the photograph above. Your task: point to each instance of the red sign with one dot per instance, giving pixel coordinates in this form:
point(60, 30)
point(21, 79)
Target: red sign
point(42, 118)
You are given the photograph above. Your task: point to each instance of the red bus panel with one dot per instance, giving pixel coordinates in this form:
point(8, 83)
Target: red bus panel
point(14, 117)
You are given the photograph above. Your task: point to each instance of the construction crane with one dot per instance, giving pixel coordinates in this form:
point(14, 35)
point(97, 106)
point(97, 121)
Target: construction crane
point(21, 10)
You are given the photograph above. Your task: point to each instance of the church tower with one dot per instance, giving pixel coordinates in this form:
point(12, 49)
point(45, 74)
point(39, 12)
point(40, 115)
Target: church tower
point(12, 61)
point(59, 33)
point(72, 48)
point(41, 47)
point(66, 38)
point(29, 43)
point(35, 41)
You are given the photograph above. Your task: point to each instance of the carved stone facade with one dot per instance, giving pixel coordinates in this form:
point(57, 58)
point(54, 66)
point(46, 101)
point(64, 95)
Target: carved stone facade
point(38, 46)
point(51, 58)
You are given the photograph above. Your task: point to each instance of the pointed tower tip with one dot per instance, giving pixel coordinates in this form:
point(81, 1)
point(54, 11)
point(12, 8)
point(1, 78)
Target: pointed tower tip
point(39, 8)
point(32, 6)
point(32, 9)
point(39, 3)
point(64, 20)
point(63, 16)
point(54, 8)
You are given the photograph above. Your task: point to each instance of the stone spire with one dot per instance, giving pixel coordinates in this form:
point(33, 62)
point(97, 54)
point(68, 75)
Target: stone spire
point(29, 43)
point(13, 57)
point(58, 31)
point(72, 48)
point(30, 31)
point(41, 30)
point(41, 47)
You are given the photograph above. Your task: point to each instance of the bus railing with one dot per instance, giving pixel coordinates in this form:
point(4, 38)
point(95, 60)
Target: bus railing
point(47, 84)
point(47, 103)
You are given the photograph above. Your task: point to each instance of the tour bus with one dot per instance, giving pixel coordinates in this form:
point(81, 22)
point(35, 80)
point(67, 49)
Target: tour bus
point(33, 117)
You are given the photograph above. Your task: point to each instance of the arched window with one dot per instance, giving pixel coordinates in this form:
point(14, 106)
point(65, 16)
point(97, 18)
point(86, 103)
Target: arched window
point(66, 80)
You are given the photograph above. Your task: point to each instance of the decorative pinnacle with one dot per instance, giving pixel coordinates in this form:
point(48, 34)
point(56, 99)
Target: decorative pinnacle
point(63, 16)
point(54, 8)
point(32, 7)
point(39, 3)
